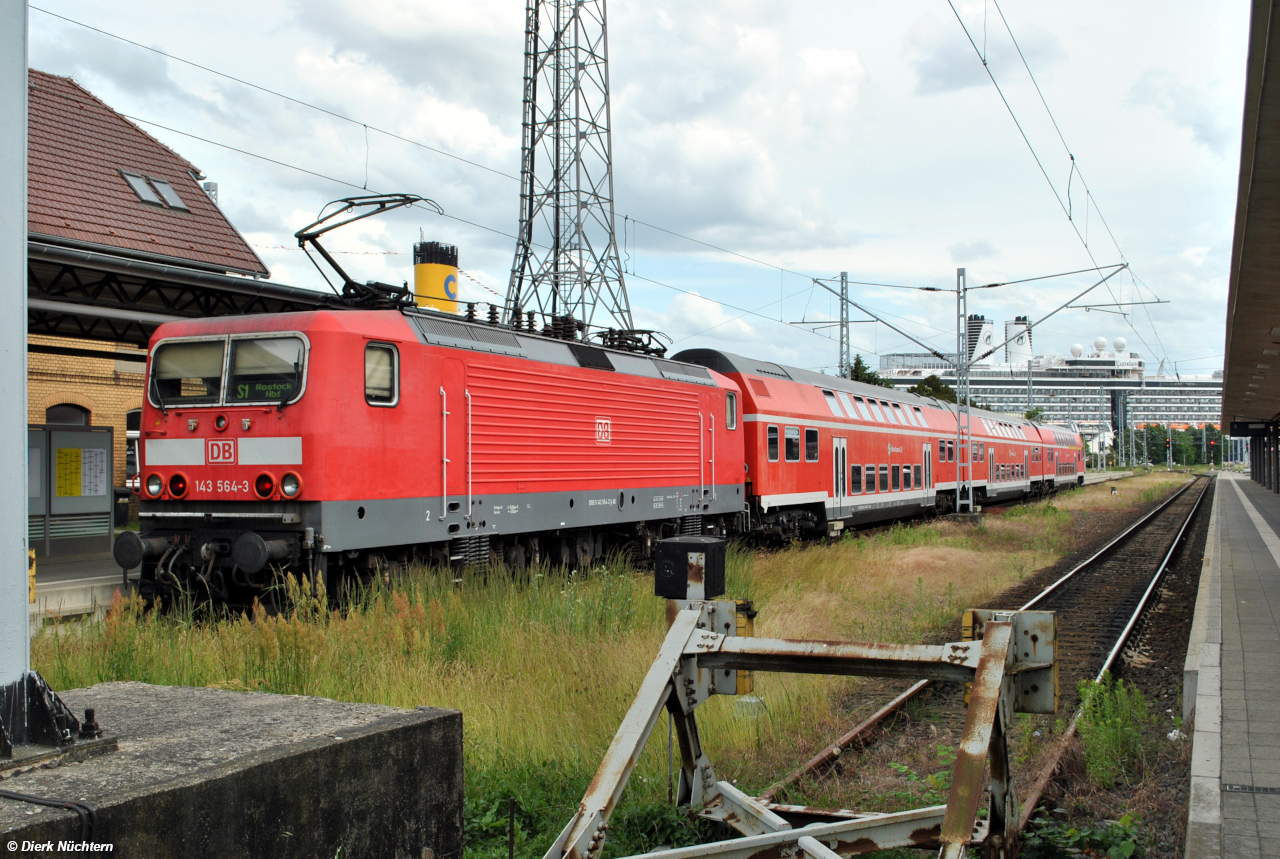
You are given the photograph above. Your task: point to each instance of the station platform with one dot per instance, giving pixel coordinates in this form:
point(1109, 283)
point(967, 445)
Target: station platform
point(1232, 679)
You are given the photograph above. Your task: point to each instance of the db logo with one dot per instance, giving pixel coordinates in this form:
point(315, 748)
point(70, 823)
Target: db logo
point(222, 451)
point(604, 429)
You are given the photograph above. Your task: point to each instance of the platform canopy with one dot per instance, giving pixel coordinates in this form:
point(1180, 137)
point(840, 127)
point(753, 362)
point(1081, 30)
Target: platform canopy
point(1251, 371)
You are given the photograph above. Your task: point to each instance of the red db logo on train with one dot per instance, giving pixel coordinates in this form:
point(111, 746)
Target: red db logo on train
point(222, 451)
point(604, 429)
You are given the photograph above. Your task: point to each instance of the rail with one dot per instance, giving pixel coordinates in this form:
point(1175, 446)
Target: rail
point(862, 733)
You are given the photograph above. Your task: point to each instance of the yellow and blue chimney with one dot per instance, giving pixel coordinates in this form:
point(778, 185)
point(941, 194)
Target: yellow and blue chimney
point(435, 276)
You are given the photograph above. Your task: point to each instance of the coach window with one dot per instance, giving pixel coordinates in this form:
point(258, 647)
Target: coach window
point(811, 445)
point(793, 444)
point(951, 451)
point(884, 478)
point(855, 480)
point(730, 410)
point(830, 397)
point(847, 403)
point(773, 444)
point(898, 411)
point(919, 416)
point(896, 474)
point(381, 369)
point(916, 469)
point(906, 477)
point(888, 411)
point(875, 410)
point(862, 409)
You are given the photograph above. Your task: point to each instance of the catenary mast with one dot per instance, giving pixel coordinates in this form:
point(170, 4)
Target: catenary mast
point(566, 260)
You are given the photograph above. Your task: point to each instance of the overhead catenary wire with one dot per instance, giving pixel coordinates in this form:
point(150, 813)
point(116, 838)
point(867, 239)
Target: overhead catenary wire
point(366, 127)
point(1064, 205)
point(369, 127)
point(1089, 198)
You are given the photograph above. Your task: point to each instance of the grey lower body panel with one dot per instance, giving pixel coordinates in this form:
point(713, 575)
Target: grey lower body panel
point(355, 525)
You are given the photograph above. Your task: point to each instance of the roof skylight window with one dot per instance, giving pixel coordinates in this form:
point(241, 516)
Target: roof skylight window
point(170, 196)
point(140, 187)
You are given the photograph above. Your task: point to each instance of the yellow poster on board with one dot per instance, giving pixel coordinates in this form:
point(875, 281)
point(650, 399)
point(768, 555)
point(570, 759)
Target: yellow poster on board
point(67, 472)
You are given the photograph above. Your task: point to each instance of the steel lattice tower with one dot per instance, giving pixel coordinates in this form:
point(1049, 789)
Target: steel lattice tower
point(566, 260)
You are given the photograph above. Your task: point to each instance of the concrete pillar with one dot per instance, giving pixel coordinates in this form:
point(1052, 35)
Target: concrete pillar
point(14, 642)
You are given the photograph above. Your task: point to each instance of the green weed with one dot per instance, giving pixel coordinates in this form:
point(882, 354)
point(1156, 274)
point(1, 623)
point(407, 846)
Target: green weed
point(1113, 723)
point(1046, 839)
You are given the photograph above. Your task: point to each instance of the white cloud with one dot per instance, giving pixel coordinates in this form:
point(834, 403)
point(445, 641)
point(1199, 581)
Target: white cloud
point(823, 137)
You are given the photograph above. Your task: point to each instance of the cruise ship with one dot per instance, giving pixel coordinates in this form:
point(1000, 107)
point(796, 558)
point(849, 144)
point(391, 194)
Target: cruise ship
point(1104, 385)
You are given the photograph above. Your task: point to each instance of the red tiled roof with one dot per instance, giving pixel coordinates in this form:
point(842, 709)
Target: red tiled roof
point(76, 148)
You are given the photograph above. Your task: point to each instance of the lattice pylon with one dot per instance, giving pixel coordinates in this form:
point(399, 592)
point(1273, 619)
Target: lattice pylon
point(566, 260)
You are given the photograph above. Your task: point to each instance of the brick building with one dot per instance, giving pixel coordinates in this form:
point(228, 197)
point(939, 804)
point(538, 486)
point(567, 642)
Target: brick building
point(106, 202)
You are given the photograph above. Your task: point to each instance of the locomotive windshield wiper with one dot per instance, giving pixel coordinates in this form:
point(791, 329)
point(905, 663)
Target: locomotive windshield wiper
point(155, 390)
point(289, 390)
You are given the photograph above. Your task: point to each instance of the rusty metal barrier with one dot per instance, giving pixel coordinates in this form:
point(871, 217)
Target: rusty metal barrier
point(1010, 665)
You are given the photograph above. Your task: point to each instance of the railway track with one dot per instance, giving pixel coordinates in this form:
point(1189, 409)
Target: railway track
point(1098, 603)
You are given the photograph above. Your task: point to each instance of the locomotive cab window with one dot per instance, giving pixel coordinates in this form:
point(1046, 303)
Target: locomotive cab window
point(187, 373)
point(381, 375)
point(810, 445)
point(773, 444)
point(266, 369)
point(793, 444)
point(730, 410)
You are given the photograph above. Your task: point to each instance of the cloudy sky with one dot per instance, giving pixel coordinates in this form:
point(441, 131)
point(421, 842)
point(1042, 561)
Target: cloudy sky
point(812, 137)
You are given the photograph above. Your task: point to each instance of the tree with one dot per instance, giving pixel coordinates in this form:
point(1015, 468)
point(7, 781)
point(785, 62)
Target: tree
point(860, 372)
point(1036, 414)
point(932, 386)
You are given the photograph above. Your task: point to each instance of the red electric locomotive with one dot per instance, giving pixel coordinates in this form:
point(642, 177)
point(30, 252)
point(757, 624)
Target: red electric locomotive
point(335, 442)
point(339, 442)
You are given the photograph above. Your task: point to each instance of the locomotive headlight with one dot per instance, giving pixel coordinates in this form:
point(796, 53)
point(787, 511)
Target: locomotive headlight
point(290, 485)
point(155, 484)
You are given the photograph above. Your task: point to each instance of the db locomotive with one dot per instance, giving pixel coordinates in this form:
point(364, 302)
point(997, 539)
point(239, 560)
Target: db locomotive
point(337, 444)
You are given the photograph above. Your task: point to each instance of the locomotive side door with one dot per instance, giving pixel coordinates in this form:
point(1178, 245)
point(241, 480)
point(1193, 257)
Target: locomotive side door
point(455, 438)
point(926, 500)
point(839, 478)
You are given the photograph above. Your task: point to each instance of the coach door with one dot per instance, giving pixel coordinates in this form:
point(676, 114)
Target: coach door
point(839, 478)
point(926, 500)
point(455, 438)
point(1026, 467)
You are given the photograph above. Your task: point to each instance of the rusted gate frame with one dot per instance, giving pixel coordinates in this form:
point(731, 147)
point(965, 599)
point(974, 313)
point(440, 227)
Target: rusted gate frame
point(700, 657)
